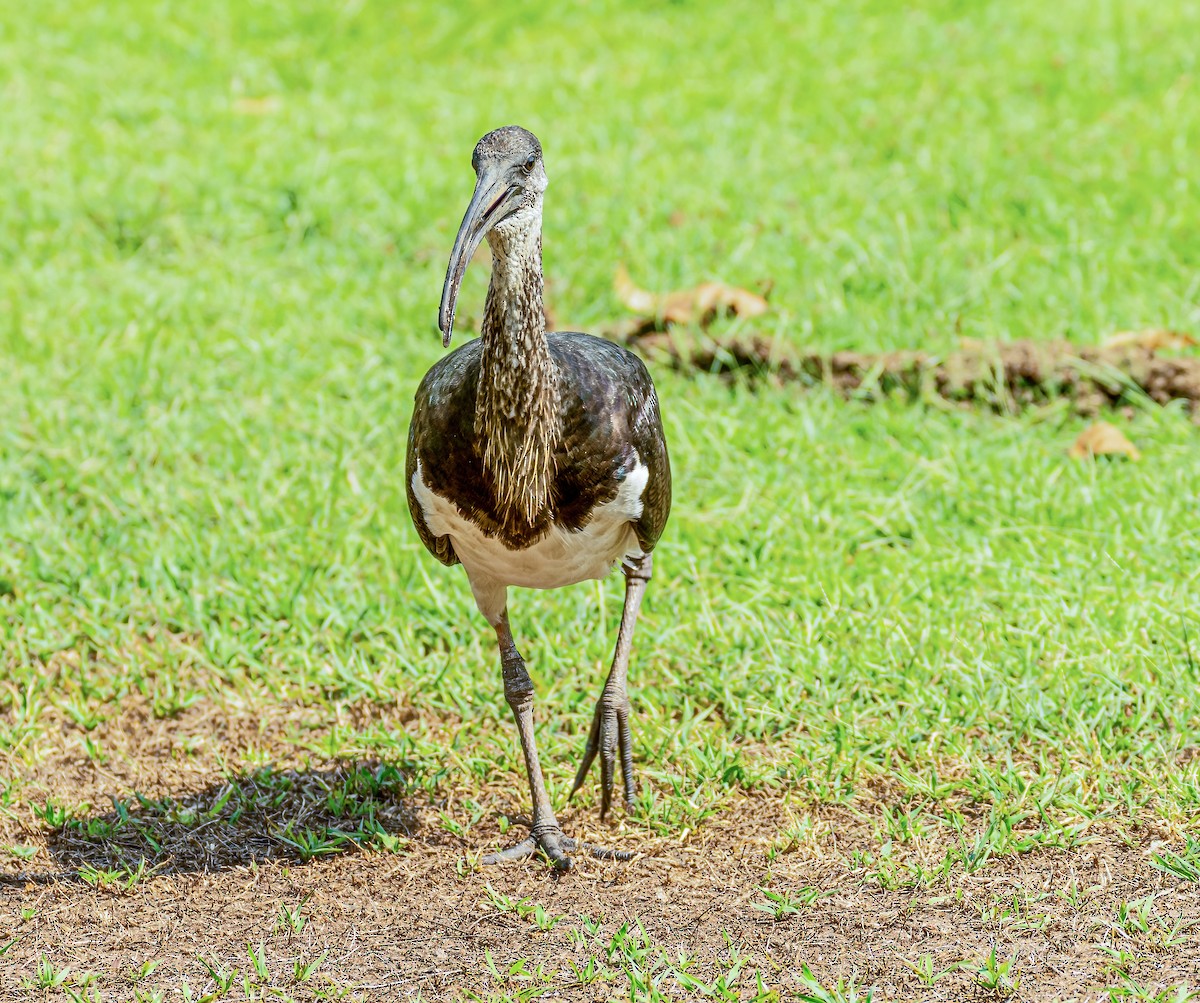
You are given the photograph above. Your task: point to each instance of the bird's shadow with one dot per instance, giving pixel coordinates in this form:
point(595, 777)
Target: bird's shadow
point(266, 814)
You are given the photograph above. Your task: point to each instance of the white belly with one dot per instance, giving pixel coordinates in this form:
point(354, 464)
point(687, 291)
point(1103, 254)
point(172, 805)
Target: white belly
point(561, 557)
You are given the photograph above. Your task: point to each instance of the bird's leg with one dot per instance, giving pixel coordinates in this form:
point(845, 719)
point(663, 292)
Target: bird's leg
point(610, 725)
point(546, 833)
point(518, 691)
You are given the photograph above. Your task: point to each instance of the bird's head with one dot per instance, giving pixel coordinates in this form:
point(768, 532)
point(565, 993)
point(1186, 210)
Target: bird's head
point(509, 183)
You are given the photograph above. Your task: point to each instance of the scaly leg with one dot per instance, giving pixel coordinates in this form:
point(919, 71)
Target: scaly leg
point(610, 725)
point(545, 833)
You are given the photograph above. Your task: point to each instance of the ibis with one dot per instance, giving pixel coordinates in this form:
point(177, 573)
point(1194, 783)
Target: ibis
point(537, 460)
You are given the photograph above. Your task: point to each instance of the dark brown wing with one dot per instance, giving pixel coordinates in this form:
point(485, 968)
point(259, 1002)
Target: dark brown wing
point(651, 444)
point(609, 422)
point(441, 436)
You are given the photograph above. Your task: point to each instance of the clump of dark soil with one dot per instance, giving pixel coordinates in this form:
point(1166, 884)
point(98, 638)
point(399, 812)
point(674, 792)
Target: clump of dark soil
point(1005, 376)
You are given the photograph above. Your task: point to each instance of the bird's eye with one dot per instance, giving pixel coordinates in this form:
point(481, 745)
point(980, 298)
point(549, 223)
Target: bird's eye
point(527, 167)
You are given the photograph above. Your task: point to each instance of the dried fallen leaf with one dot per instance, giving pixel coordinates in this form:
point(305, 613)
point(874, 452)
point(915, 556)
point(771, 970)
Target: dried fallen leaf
point(1152, 340)
point(699, 304)
point(257, 106)
point(1103, 439)
point(638, 300)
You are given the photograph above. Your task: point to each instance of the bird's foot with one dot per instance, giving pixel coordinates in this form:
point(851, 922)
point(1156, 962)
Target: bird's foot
point(609, 732)
point(555, 846)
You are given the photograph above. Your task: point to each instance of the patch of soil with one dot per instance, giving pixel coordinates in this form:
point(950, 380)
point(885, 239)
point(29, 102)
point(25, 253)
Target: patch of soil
point(394, 925)
point(1006, 376)
point(404, 910)
point(423, 919)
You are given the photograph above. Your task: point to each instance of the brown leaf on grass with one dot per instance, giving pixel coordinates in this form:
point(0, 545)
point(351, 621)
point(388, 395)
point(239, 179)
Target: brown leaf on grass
point(257, 106)
point(1152, 340)
point(698, 304)
point(1102, 439)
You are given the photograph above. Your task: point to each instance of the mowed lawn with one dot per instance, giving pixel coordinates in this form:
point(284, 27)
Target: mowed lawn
point(900, 663)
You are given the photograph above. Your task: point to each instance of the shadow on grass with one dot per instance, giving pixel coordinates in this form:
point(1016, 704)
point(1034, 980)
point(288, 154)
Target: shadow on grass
point(269, 814)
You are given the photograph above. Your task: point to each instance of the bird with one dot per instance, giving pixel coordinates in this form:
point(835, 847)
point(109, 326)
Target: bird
point(537, 460)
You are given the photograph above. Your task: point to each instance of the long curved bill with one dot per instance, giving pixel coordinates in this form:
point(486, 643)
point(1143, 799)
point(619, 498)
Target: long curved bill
point(489, 204)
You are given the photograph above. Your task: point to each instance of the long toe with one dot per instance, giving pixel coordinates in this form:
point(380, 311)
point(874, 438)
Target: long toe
point(599, 852)
point(523, 849)
point(553, 844)
point(556, 847)
point(608, 763)
point(626, 743)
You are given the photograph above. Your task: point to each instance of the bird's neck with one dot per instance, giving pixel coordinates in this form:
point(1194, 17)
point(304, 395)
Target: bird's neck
point(517, 410)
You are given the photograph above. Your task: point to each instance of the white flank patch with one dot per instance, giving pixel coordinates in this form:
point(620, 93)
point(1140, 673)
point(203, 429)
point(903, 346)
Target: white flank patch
point(559, 558)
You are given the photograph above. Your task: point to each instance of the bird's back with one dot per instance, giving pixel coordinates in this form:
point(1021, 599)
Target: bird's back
point(609, 423)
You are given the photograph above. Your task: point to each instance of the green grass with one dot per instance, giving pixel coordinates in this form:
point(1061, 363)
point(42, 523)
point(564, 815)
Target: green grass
point(215, 323)
point(221, 247)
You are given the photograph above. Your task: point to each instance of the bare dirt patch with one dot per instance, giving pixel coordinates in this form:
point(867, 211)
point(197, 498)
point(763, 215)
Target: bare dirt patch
point(400, 907)
point(395, 924)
